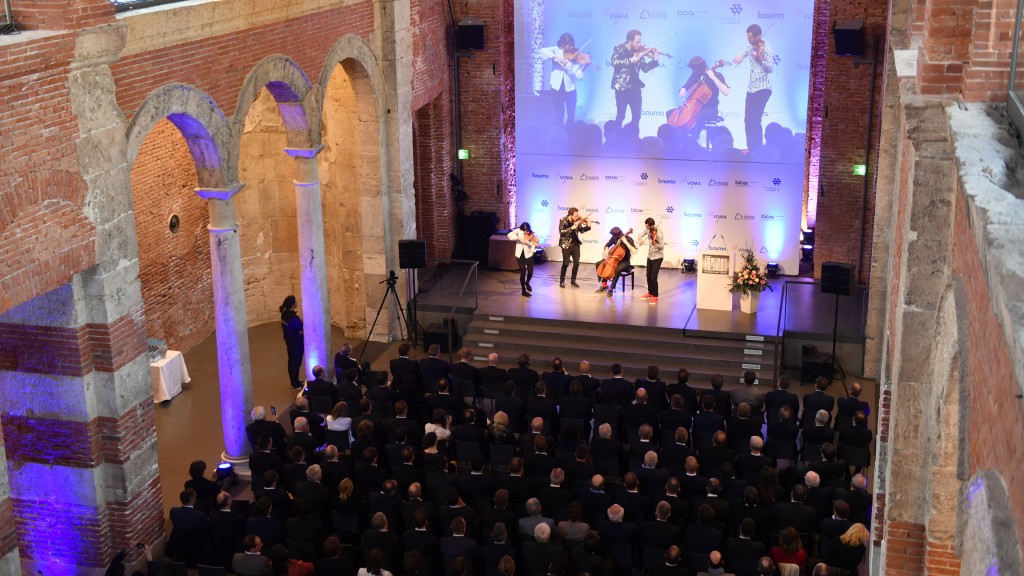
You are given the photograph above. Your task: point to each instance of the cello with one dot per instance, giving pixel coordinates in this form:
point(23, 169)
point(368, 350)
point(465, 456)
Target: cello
point(685, 116)
point(606, 269)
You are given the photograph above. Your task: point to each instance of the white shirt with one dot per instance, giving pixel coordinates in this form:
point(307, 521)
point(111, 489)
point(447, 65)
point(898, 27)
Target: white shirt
point(523, 246)
point(561, 75)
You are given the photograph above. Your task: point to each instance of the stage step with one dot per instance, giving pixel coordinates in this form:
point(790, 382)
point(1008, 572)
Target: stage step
point(635, 347)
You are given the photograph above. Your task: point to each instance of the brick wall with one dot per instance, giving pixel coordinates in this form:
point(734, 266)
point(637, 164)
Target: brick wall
point(995, 410)
point(432, 154)
point(61, 14)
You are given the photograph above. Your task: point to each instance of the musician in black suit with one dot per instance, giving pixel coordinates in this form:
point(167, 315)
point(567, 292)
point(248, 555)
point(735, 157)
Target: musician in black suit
point(817, 400)
point(623, 388)
point(404, 366)
point(523, 376)
point(682, 388)
point(781, 396)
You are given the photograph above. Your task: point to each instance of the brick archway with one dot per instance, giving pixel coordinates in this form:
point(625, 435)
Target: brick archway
point(290, 87)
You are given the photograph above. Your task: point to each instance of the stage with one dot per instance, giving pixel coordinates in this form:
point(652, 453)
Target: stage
point(578, 324)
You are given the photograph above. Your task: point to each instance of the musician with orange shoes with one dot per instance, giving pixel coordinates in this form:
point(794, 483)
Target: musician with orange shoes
point(762, 64)
point(655, 256)
point(567, 67)
point(699, 96)
point(616, 259)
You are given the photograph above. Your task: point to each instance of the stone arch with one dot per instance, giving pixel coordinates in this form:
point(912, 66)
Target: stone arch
point(289, 85)
point(354, 180)
point(46, 206)
point(989, 542)
point(204, 127)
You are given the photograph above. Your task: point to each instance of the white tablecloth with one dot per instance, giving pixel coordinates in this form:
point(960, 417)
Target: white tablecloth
point(169, 374)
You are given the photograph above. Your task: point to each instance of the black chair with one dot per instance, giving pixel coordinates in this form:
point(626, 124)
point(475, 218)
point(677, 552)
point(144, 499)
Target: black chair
point(210, 570)
point(627, 273)
point(501, 454)
point(301, 550)
point(321, 404)
point(338, 438)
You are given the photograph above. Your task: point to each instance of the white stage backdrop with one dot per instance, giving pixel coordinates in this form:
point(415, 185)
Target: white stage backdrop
point(723, 195)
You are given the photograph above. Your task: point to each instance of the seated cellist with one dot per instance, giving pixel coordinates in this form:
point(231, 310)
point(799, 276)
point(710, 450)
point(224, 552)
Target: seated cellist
point(616, 259)
point(714, 80)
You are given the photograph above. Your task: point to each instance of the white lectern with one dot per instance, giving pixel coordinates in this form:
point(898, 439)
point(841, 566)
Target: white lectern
point(714, 275)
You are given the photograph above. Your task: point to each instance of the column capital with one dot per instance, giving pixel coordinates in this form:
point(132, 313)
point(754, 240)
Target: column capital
point(304, 152)
point(220, 193)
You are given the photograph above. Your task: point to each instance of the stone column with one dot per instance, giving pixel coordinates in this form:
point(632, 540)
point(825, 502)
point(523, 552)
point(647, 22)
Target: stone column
point(233, 367)
point(316, 319)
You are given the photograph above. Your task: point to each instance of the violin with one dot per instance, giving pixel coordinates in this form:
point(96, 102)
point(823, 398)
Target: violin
point(643, 51)
point(578, 56)
point(606, 269)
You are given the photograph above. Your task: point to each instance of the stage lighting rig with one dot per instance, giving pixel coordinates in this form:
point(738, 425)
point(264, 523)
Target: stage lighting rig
point(689, 266)
point(773, 269)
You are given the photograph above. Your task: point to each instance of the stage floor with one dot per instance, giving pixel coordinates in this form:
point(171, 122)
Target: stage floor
point(808, 312)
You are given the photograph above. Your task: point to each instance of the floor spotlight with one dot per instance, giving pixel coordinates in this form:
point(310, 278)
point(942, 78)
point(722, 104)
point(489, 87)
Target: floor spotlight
point(225, 470)
point(689, 265)
point(806, 252)
point(773, 269)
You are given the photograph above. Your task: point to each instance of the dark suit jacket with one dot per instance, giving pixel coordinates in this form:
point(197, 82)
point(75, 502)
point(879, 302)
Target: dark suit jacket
point(860, 504)
point(545, 408)
point(351, 394)
point(576, 408)
point(515, 408)
point(401, 367)
point(590, 385)
point(413, 429)
point(661, 535)
point(538, 557)
point(749, 466)
point(652, 481)
point(610, 413)
point(829, 531)
point(492, 380)
point(623, 389)
point(655, 392)
point(471, 433)
point(269, 427)
point(524, 378)
point(673, 457)
point(492, 554)
point(741, 556)
point(320, 387)
point(557, 383)
point(473, 487)
point(280, 501)
point(636, 415)
point(846, 408)
point(701, 539)
point(260, 462)
point(636, 505)
point(776, 399)
point(813, 402)
point(690, 404)
point(723, 402)
point(267, 528)
point(723, 511)
point(856, 437)
point(187, 533)
point(388, 542)
point(555, 500)
point(711, 459)
point(423, 542)
point(595, 505)
point(707, 423)
point(454, 546)
point(741, 430)
point(316, 427)
point(433, 369)
point(468, 372)
point(796, 514)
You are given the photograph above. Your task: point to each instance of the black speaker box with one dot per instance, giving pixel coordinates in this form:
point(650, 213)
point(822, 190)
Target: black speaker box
point(412, 254)
point(849, 37)
point(470, 34)
point(815, 365)
point(837, 278)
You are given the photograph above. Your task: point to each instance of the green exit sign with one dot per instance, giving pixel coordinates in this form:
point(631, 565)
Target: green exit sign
point(463, 154)
point(860, 170)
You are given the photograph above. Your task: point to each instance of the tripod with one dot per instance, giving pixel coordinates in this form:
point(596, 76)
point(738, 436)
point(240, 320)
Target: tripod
point(837, 366)
point(391, 281)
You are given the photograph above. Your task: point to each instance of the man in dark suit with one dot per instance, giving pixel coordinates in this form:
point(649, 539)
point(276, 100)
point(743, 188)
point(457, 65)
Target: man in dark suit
point(262, 460)
point(188, 528)
point(493, 378)
point(587, 558)
point(476, 487)
point(858, 498)
point(795, 513)
point(831, 528)
point(743, 552)
point(639, 412)
point(261, 426)
point(470, 431)
point(433, 368)
point(343, 361)
point(660, 533)
point(713, 498)
point(723, 400)
point(492, 554)
point(595, 501)
point(414, 503)
point(263, 524)
point(609, 411)
point(673, 565)
point(817, 400)
point(652, 479)
point(781, 396)
point(576, 406)
point(303, 438)
point(540, 406)
point(378, 535)
point(500, 513)
point(674, 417)
point(227, 528)
point(742, 425)
point(413, 429)
point(752, 508)
point(314, 422)
point(523, 376)
point(847, 407)
point(629, 497)
point(280, 500)
point(349, 391)
point(541, 553)
point(623, 388)
point(557, 379)
point(321, 387)
point(519, 487)
point(404, 366)
point(420, 537)
point(692, 486)
point(406, 473)
point(616, 530)
point(458, 544)
point(655, 388)
point(674, 455)
point(604, 447)
point(513, 404)
point(717, 454)
point(445, 401)
point(316, 493)
point(580, 470)
point(706, 423)
point(857, 436)
point(749, 464)
point(588, 383)
point(682, 388)
point(387, 502)
point(332, 561)
point(833, 471)
point(539, 463)
point(463, 371)
point(555, 496)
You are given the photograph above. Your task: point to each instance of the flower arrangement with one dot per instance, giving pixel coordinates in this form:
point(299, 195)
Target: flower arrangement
point(751, 278)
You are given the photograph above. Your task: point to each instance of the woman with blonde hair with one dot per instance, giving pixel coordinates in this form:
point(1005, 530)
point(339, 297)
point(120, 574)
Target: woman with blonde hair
point(849, 552)
point(498, 432)
point(339, 421)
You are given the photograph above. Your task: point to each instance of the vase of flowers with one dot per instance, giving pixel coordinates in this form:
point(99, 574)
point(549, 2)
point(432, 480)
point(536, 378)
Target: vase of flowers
point(750, 280)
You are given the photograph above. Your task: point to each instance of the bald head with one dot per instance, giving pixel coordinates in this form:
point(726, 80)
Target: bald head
point(584, 367)
point(492, 359)
point(855, 389)
point(616, 513)
point(537, 425)
point(605, 431)
point(301, 424)
point(641, 396)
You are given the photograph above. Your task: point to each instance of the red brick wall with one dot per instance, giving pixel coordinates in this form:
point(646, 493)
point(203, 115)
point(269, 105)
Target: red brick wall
point(431, 71)
point(61, 14)
point(995, 410)
point(433, 162)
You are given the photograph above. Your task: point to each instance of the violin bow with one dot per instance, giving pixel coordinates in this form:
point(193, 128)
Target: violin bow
point(580, 49)
point(660, 42)
point(763, 34)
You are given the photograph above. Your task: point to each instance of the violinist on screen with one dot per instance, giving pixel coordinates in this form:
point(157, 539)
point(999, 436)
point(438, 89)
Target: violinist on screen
point(628, 60)
point(616, 253)
point(567, 66)
point(526, 246)
point(759, 90)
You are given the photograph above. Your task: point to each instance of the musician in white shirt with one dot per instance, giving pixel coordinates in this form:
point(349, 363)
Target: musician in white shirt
point(566, 70)
point(526, 246)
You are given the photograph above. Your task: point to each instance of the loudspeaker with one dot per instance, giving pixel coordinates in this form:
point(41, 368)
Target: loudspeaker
point(849, 37)
point(837, 278)
point(470, 34)
point(815, 365)
point(412, 254)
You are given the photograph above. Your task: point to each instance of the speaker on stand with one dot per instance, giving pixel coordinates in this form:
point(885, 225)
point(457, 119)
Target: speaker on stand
point(837, 278)
point(412, 255)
